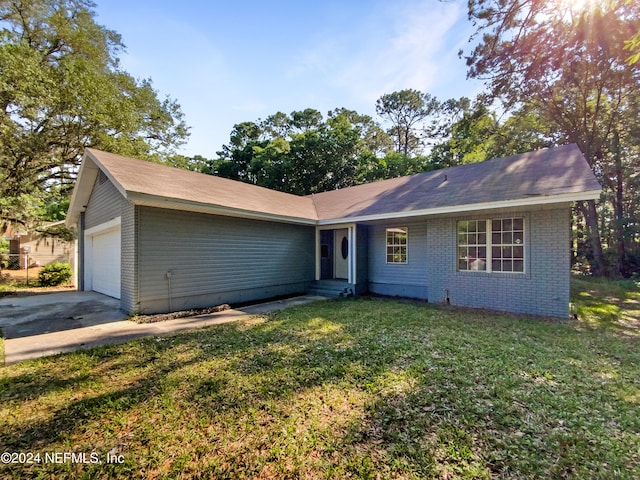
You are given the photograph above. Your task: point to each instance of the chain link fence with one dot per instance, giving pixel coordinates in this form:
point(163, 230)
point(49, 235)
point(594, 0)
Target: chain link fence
point(25, 267)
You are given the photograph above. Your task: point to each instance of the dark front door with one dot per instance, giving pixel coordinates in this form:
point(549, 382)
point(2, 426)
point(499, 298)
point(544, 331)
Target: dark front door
point(326, 254)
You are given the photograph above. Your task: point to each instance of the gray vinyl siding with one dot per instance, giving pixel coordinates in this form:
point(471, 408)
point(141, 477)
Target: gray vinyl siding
point(215, 259)
point(542, 290)
point(105, 203)
point(407, 280)
point(129, 263)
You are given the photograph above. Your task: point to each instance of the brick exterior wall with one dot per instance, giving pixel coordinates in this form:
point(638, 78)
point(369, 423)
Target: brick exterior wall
point(542, 290)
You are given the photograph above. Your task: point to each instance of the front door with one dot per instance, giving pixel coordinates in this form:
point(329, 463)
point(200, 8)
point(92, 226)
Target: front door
point(341, 253)
point(326, 254)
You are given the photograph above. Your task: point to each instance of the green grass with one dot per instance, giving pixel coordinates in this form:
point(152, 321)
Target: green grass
point(9, 286)
point(343, 389)
point(608, 304)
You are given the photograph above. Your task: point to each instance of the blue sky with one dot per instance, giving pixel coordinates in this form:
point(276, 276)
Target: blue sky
point(231, 61)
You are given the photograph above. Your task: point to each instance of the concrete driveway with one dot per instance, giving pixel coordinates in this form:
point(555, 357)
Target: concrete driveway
point(48, 324)
point(55, 312)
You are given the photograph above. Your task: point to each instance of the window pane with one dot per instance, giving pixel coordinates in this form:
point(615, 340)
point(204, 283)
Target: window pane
point(518, 224)
point(518, 266)
point(478, 264)
point(518, 252)
point(495, 266)
point(482, 238)
point(496, 225)
point(518, 237)
point(397, 245)
point(482, 252)
point(462, 265)
point(507, 224)
point(507, 252)
point(507, 238)
point(496, 252)
point(496, 238)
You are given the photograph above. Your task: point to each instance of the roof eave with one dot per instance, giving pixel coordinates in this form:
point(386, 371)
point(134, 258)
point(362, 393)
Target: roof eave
point(454, 209)
point(190, 206)
point(82, 189)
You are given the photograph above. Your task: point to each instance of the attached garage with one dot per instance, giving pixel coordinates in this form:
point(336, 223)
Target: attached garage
point(103, 248)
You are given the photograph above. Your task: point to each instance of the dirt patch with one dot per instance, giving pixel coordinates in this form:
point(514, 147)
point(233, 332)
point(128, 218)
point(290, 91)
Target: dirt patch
point(162, 317)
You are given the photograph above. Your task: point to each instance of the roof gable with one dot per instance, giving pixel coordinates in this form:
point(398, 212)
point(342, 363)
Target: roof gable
point(148, 183)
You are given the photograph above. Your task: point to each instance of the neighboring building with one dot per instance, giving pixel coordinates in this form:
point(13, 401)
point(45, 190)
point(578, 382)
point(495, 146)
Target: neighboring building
point(492, 235)
point(36, 249)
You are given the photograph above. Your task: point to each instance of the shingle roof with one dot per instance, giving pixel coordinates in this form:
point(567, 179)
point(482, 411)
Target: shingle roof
point(549, 175)
point(147, 178)
point(543, 173)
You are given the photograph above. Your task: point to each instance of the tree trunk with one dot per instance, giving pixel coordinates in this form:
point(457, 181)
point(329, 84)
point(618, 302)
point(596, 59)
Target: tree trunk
point(598, 268)
point(618, 208)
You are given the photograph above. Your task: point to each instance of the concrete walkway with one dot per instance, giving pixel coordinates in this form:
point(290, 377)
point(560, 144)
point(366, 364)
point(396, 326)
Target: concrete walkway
point(36, 346)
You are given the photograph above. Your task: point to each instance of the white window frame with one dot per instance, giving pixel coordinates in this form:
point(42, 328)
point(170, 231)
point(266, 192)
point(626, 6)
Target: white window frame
point(392, 245)
point(488, 245)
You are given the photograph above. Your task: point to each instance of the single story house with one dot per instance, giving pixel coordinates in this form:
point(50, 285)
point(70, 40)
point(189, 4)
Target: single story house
point(492, 235)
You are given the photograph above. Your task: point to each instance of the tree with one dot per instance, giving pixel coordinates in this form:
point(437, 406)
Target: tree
point(62, 90)
point(303, 153)
point(633, 44)
point(569, 66)
point(405, 110)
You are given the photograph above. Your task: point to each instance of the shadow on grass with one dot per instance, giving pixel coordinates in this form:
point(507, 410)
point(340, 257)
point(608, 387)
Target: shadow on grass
point(351, 388)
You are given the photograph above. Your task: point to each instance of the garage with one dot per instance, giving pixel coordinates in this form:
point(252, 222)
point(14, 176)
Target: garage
point(103, 248)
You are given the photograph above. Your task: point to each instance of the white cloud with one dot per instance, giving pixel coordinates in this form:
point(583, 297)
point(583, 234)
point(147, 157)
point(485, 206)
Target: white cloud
point(411, 57)
point(397, 46)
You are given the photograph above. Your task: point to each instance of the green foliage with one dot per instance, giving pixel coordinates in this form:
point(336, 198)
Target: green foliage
point(405, 109)
point(633, 44)
point(567, 63)
point(61, 90)
point(4, 260)
point(54, 274)
point(303, 152)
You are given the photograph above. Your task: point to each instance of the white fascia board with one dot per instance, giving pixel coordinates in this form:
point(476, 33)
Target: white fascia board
point(111, 178)
point(104, 227)
point(189, 206)
point(82, 190)
point(454, 209)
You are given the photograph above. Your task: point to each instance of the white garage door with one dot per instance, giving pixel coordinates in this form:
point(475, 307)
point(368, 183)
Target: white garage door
point(105, 267)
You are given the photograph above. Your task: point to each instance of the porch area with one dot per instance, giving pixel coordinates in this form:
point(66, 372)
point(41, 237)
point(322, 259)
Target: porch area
point(334, 288)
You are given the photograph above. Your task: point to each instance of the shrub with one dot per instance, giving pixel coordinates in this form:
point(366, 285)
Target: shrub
point(54, 274)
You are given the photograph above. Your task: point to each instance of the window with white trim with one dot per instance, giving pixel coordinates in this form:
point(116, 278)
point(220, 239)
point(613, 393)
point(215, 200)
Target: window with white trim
point(495, 245)
point(397, 243)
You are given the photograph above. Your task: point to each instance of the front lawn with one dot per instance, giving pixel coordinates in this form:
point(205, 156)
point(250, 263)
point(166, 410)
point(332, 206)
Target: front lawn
point(338, 389)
